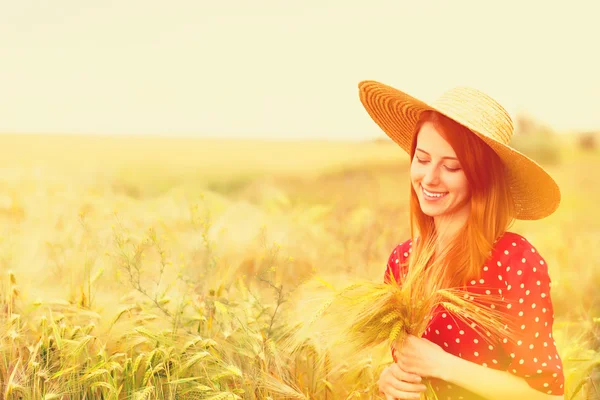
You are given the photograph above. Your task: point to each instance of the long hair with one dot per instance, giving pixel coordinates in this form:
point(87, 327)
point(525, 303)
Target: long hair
point(492, 207)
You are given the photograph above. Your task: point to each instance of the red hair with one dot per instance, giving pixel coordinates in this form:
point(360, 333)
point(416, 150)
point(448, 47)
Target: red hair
point(492, 207)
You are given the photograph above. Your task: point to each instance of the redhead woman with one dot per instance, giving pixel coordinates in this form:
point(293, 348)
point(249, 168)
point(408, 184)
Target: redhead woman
point(467, 186)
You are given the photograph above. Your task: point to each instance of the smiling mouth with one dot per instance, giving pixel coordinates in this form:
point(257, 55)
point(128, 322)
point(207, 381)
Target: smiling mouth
point(433, 195)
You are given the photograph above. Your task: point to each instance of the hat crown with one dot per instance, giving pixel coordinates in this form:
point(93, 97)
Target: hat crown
point(478, 111)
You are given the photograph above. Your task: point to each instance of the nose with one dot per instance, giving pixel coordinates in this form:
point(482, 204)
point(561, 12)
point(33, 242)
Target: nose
point(432, 176)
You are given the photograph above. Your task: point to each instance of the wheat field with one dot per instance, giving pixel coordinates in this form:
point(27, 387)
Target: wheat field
point(163, 268)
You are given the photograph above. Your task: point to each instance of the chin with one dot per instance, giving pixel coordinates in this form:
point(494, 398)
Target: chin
point(435, 211)
point(431, 214)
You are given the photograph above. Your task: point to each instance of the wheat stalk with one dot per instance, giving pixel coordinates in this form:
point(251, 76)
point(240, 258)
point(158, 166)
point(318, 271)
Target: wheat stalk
point(377, 313)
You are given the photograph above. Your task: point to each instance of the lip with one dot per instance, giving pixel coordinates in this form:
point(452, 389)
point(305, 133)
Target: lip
point(432, 198)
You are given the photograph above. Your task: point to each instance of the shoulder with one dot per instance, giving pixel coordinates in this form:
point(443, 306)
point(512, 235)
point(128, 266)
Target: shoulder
point(397, 260)
point(401, 251)
point(513, 246)
point(519, 259)
point(511, 238)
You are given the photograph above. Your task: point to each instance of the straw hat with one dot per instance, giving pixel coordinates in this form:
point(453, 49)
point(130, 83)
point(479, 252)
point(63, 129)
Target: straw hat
point(535, 194)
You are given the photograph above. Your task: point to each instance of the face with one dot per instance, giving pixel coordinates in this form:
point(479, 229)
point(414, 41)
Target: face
point(438, 178)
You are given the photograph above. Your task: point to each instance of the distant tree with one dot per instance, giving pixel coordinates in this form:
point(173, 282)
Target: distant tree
point(535, 139)
point(589, 140)
point(526, 124)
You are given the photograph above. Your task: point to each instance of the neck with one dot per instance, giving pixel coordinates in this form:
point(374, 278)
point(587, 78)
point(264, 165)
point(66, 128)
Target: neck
point(448, 226)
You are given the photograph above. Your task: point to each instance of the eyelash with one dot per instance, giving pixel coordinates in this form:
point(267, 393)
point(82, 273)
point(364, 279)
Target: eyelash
point(447, 168)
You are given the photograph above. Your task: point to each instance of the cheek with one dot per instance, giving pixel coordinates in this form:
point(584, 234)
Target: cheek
point(416, 173)
point(460, 184)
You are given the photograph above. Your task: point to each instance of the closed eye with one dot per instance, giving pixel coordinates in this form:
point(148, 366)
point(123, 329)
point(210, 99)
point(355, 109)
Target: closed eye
point(449, 169)
point(452, 169)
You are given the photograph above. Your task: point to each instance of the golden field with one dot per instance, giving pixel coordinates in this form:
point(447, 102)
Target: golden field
point(157, 268)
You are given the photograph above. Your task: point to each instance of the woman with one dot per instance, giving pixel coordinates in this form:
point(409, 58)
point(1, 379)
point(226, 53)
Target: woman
point(467, 187)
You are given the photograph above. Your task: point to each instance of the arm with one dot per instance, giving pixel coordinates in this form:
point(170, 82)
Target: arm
point(535, 369)
point(424, 358)
point(490, 383)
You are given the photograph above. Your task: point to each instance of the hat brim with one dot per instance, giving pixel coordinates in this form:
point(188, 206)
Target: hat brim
point(535, 193)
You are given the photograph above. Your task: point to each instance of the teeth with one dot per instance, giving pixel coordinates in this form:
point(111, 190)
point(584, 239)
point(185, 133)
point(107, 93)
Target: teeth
point(431, 194)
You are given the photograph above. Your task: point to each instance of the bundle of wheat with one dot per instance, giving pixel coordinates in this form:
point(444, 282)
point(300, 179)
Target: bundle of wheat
point(367, 314)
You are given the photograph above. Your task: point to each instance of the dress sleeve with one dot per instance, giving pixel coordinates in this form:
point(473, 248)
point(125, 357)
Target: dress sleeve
point(395, 271)
point(392, 270)
point(396, 264)
point(532, 350)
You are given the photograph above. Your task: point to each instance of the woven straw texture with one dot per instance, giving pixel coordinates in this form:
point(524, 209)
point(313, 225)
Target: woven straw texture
point(535, 194)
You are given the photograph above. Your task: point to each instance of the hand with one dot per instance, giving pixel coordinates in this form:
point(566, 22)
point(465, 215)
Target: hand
point(423, 358)
point(396, 383)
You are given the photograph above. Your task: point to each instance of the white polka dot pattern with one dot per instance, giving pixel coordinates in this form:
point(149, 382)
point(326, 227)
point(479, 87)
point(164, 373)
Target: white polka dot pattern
point(519, 274)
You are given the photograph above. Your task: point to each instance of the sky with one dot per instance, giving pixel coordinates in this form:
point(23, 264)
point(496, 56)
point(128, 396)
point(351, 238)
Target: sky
point(283, 69)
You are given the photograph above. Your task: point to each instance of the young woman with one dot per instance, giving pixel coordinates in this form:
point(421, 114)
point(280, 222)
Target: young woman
point(467, 187)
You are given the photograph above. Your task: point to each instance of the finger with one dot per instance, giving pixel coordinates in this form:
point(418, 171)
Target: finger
point(406, 387)
point(401, 372)
point(411, 339)
point(407, 352)
point(410, 348)
point(399, 381)
point(415, 344)
point(399, 394)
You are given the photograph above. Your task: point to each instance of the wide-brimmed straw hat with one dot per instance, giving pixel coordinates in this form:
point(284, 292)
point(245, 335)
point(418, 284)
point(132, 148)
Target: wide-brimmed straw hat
point(535, 194)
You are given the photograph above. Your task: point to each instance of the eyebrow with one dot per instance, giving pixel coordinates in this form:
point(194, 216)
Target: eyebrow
point(443, 158)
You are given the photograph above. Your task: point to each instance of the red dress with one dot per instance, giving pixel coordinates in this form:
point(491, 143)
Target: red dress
point(516, 271)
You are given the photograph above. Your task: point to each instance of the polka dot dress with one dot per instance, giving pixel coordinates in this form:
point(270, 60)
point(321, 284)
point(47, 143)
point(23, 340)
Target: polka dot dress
point(518, 273)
